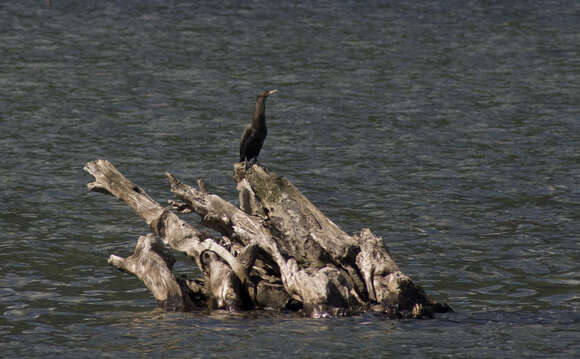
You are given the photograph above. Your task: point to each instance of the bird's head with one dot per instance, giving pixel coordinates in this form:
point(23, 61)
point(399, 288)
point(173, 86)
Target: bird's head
point(267, 93)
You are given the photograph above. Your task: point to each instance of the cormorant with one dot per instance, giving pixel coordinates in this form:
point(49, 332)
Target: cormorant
point(254, 135)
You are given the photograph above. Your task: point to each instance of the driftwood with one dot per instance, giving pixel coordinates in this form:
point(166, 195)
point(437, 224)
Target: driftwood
point(277, 251)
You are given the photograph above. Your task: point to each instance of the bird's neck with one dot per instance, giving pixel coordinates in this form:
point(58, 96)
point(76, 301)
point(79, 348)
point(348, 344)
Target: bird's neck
point(259, 119)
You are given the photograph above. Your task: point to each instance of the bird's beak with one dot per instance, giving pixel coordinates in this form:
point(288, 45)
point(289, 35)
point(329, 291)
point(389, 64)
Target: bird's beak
point(271, 92)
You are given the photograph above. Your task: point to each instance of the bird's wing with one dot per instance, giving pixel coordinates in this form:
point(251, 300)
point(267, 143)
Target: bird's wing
point(244, 142)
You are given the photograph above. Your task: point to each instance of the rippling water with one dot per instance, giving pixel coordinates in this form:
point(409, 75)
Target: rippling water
point(451, 129)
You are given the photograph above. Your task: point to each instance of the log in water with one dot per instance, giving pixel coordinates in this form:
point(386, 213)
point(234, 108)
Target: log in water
point(281, 252)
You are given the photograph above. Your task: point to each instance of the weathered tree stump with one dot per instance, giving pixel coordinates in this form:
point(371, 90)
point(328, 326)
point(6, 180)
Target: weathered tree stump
point(277, 251)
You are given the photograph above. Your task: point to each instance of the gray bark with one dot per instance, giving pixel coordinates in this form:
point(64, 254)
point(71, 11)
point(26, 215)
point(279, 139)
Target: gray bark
point(278, 250)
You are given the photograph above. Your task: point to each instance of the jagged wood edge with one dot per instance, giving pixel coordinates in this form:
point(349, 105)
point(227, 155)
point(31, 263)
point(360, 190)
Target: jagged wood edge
point(178, 234)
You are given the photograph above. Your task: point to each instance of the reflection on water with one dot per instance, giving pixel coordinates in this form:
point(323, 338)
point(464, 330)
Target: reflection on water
point(448, 129)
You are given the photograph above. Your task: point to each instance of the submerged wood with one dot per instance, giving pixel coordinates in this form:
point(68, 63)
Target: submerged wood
point(277, 250)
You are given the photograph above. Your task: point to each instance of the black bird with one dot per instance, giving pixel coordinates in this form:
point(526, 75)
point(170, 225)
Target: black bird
point(255, 134)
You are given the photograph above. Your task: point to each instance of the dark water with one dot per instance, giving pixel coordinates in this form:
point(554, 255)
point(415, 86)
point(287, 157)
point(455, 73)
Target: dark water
point(451, 129)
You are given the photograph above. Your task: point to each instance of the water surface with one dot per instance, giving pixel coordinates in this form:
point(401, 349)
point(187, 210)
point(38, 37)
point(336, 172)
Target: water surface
point(450, 129)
